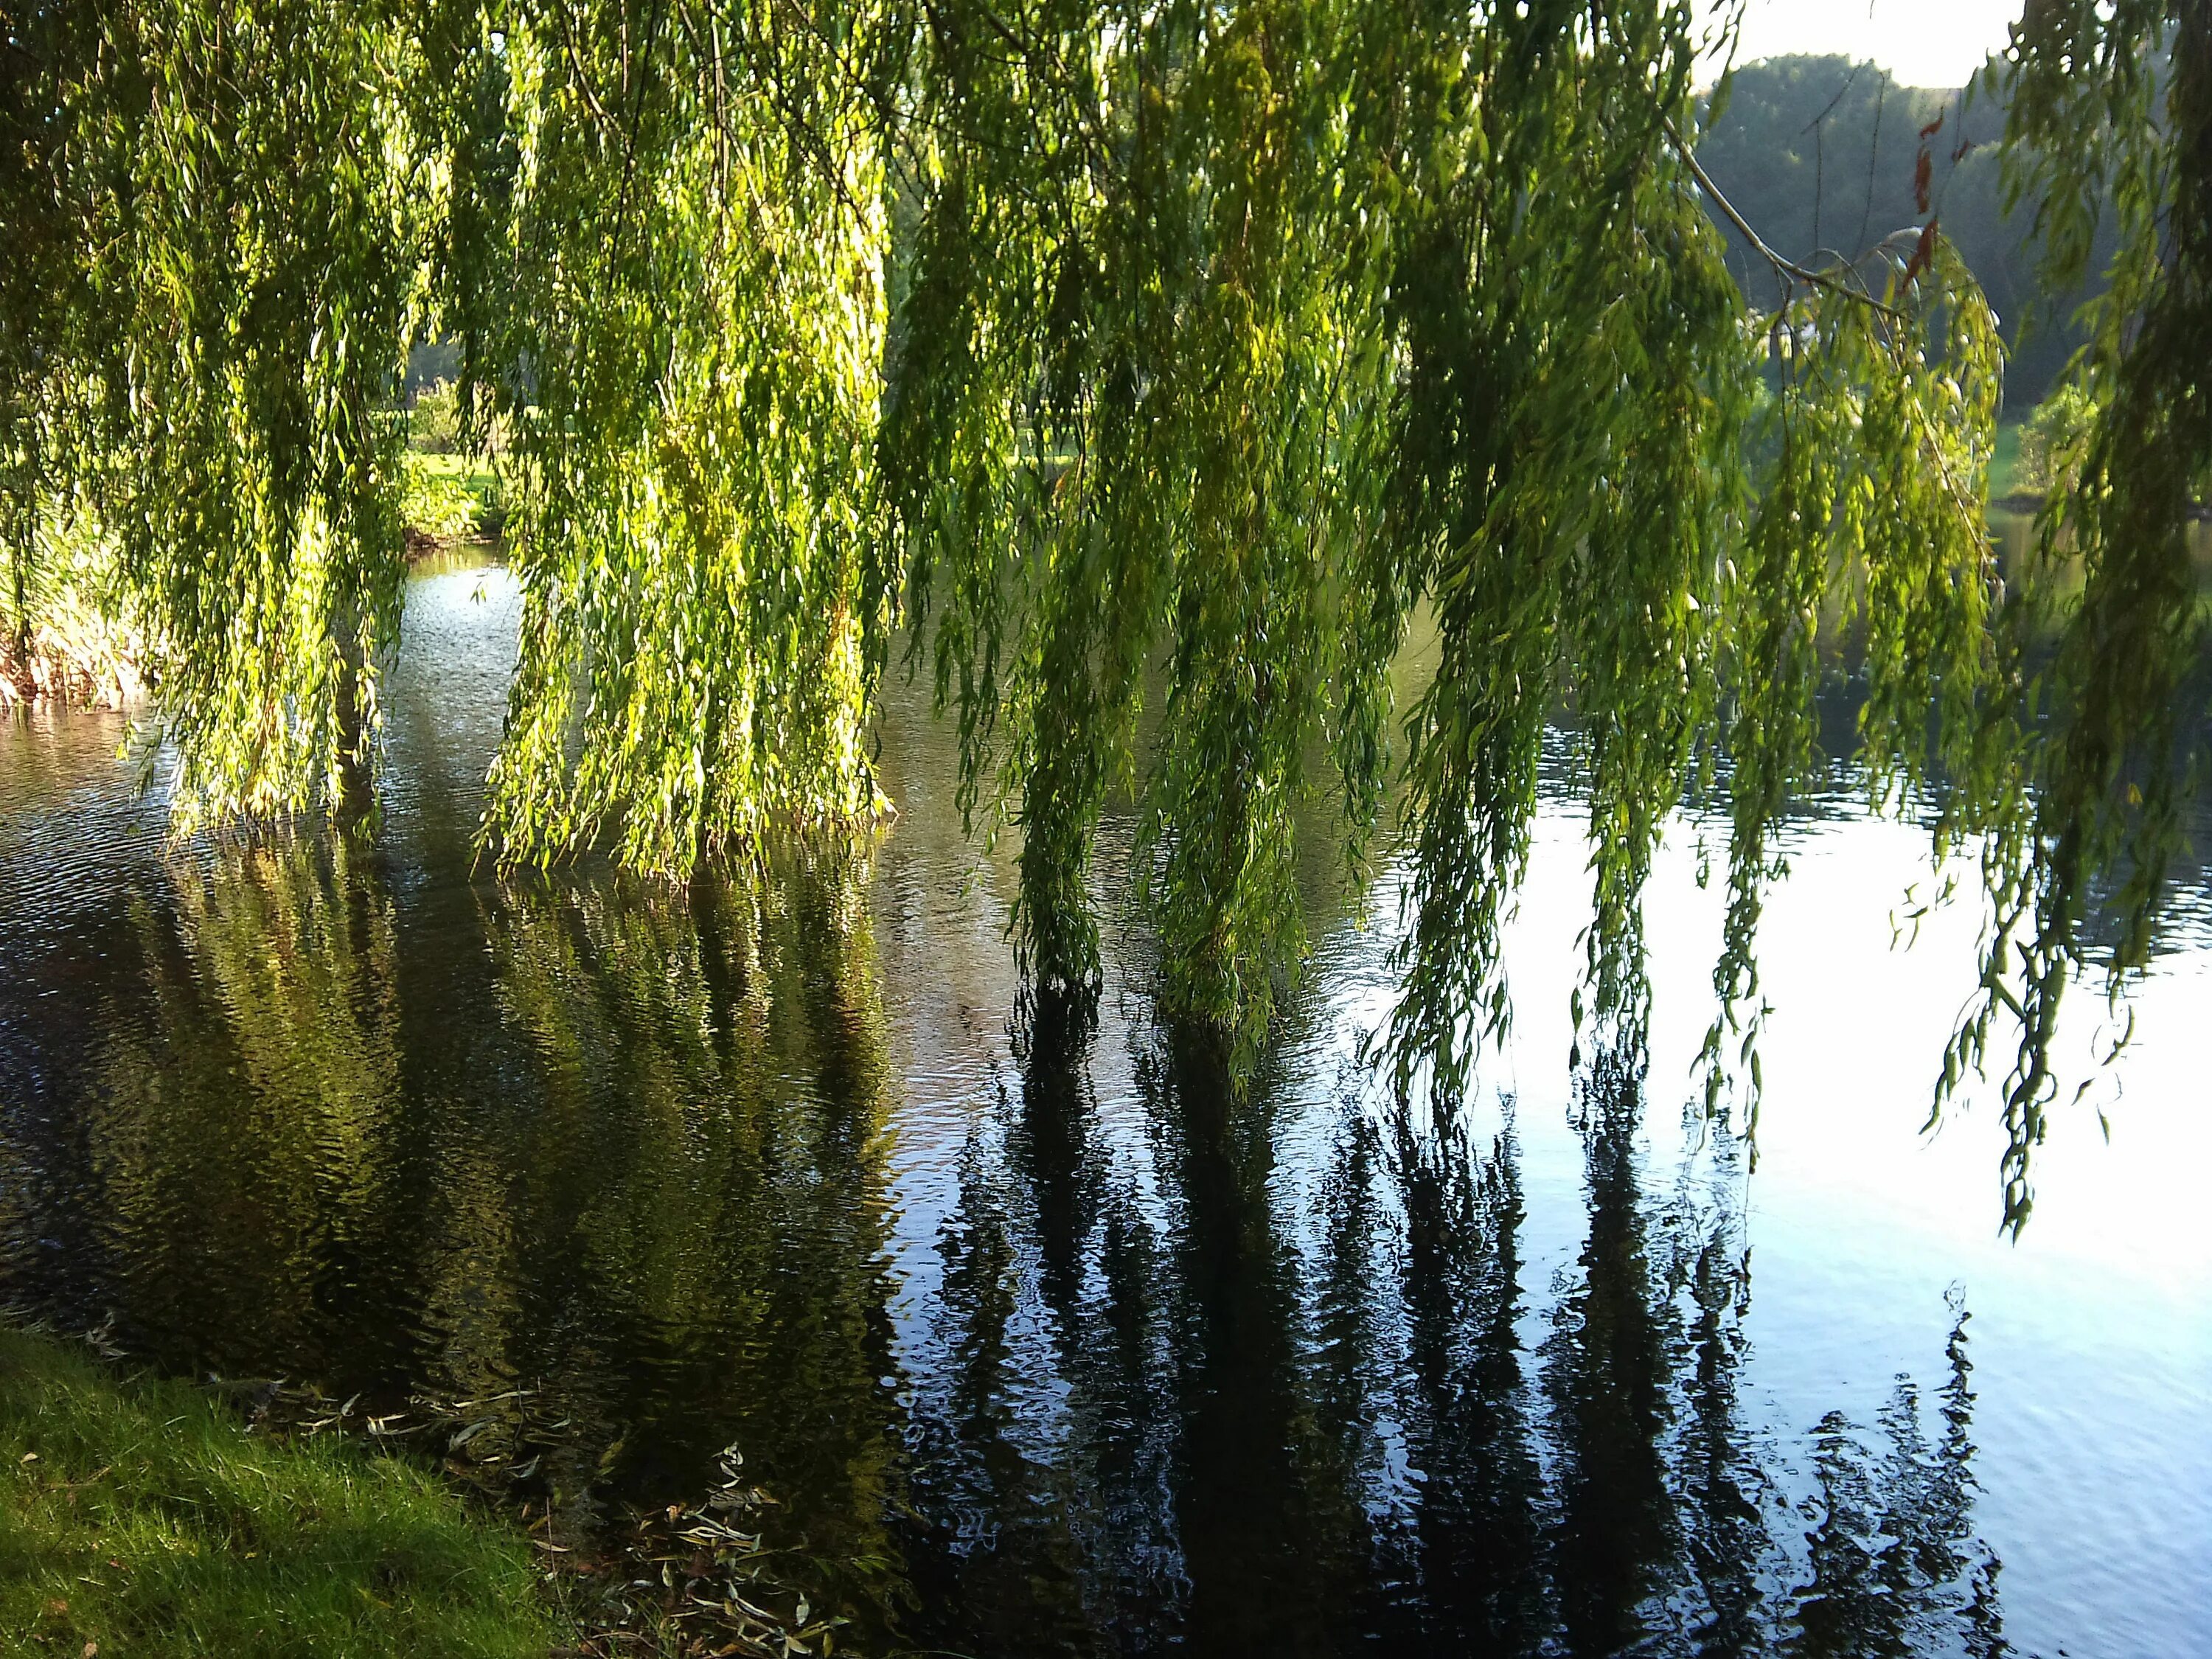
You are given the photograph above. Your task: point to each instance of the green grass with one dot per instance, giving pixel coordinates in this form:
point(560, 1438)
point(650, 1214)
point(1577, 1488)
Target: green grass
point(470, 473)
point(139, 1520)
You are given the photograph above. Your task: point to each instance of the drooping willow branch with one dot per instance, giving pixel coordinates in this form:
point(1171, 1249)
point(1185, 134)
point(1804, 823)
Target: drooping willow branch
point(1161, 367)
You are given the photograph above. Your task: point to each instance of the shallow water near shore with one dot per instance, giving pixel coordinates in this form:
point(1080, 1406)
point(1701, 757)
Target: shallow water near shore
point(1043, 1337)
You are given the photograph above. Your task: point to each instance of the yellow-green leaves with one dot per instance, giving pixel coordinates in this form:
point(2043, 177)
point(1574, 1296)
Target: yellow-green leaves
point(223, 199)
point(1156, 364)
point(704, 599)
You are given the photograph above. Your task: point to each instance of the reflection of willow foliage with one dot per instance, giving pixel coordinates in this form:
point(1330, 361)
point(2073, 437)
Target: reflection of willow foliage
point(1896, 1568)
point(1169, 355)
point(245, 1127)
point(1250, 1415)
point(709, 1078)
point(646, 1185)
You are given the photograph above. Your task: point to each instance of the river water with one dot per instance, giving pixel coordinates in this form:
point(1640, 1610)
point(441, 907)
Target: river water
point(1043, 1337)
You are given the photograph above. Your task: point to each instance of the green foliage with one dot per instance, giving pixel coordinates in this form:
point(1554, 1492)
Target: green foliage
point(136, 1518)
point(433, 503)
point(225, 226)
point(480, 479)
point(2052, 441)
point(688, 267)
point(433, 419)
point(1881, 433)
point(1226, 347)
point(1136, 423)
point(1158, 364)
point(2108, 104)
point(67, 635)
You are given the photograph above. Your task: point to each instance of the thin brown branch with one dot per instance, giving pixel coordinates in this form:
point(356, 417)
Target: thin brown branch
point(1784, 264)
point(576, 68)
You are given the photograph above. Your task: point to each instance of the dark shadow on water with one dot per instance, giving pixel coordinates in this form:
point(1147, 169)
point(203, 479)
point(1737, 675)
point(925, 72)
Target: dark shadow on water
point(1474, 1548)
point(1896, 1568)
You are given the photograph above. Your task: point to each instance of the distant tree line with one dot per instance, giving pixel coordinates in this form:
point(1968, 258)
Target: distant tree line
point(1821, 154)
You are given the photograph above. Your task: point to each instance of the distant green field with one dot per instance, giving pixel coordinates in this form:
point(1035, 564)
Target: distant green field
point(467, 470)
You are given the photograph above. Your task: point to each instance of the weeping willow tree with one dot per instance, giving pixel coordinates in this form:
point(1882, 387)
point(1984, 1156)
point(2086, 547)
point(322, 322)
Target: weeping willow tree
point(218, 229)
point(1147, 367)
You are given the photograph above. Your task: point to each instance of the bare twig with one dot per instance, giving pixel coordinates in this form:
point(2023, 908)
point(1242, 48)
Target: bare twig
point(1782, 263)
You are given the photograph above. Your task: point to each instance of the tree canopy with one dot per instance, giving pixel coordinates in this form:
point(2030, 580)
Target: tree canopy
point(1122, 360)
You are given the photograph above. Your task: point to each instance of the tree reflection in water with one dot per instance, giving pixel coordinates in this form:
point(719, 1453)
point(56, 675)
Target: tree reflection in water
point(1255, 1425)
point(622, 1148)
point(1896, 1568)
point(1189, 1383)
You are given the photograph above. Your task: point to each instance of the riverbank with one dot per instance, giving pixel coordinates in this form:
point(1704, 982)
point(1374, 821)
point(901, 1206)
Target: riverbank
point(138, 1518)
point(447, 497)
point(67, 651)
point(60, 644)
point(140, 1515)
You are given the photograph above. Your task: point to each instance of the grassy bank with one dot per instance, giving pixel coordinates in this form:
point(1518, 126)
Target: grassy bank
point(137, 1517)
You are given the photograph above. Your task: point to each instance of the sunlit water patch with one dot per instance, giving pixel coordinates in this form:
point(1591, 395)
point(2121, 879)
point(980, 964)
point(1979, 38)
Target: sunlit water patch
point(1047, 1339)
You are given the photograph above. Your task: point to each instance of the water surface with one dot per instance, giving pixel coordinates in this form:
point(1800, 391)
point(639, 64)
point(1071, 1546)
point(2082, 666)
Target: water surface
point(1046, 1336)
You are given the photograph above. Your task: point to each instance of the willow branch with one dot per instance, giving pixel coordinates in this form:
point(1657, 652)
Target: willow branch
point(576, 66)
point(1781, 263)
